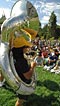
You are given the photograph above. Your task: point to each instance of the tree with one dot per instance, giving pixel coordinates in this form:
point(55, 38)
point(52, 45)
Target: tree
point(46, 32)
point(52, 24)
point(40, 29)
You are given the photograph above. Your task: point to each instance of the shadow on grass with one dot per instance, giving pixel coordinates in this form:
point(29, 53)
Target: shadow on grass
point(42, 100)
point(51, 85)
point(36, 100)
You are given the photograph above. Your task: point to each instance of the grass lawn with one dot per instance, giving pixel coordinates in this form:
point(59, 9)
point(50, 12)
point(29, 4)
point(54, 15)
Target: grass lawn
point(47, 92)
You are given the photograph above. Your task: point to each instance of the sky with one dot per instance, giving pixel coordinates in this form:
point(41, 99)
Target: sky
point(43, 7)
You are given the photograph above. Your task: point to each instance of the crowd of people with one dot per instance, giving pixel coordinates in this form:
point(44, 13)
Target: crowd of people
point(48, 54)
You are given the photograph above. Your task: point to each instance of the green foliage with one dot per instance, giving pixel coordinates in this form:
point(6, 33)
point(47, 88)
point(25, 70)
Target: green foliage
point(59, 38)
point(34, 24)
point(51, 39)
point(2, 19)
point(45, 31)
point(52, 20)
point(51, 29)
point(42, 37)
point(47, 91)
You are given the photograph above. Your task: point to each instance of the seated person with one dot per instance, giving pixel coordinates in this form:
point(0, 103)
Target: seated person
point(56, 53)
point(52, 60)
point(38, 59)
point(56, 69)
point(58, 62)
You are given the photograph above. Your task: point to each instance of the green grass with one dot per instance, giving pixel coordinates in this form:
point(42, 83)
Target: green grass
point(47, 92)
